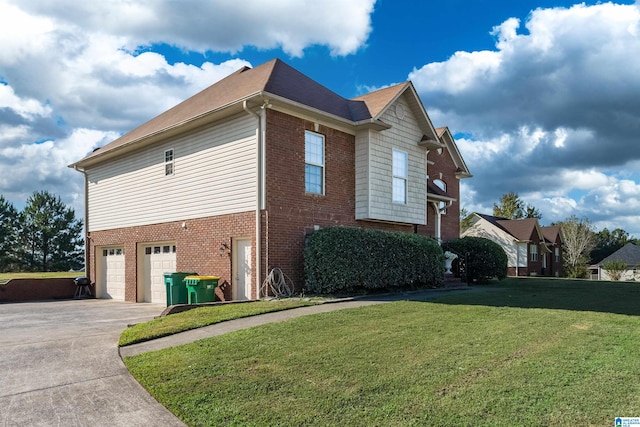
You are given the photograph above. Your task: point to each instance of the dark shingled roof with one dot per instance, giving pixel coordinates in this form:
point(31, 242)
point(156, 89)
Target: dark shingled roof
point(435, 190)
point(521, 229)
point(629, 254)
point(550, 233)
point(273, 77)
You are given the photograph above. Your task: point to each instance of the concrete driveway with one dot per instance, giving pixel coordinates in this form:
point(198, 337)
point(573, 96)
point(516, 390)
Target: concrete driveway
point(59, 366)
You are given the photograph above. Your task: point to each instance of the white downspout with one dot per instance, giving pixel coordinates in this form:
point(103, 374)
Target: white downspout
point(438, 221)
point(259, 188)
point(86, 220)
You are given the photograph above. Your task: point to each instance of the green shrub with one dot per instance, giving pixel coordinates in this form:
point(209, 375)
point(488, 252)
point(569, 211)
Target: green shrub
point(615, 269)
point(344, 259)
point(484, 258)
point(579, 271)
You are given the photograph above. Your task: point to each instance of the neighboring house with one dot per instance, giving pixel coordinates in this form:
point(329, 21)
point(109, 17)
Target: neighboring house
point(531, 250)
point(232, 180)
point(553, 240)
point(630, 255)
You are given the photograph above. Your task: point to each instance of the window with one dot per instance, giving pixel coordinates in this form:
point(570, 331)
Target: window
point(314, 163)
point(399, 177)
point(534, 252)
point(168, 162)
point(557, 254)
point(442, 206)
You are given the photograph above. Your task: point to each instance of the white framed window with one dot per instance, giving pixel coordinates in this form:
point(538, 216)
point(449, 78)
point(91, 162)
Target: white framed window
point(399, 170)
point(313, 163)
point(442, 206)
point(533, 250)
point(169, 162)
point(557, 254)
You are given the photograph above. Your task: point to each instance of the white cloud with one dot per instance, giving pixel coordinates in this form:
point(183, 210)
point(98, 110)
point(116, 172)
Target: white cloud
point(551, 113)
point(76, 74)
point(38, 166)
point(221, 25)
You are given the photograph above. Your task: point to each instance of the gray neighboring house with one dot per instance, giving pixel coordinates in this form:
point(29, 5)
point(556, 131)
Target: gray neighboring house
point(630, 255)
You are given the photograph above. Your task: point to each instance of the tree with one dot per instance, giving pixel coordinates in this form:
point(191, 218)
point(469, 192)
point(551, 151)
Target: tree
point(8, 219)
point(579, 239)
point(531, 212)
point(49, 236)
point(465, 219)
point(607, 242)
point(615, 269)
point(510, 207)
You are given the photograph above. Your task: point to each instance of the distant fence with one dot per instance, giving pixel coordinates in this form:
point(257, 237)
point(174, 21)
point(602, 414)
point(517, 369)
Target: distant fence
point(37, 290)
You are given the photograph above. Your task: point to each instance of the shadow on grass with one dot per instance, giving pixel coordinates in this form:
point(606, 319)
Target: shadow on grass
point(560, 294)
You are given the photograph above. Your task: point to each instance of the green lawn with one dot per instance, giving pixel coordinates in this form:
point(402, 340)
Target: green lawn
point(203, 316)
point(534, 352)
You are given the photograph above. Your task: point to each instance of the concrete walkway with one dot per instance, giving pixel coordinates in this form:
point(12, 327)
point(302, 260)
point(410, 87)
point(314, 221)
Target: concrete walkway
point(248, 322)
point(59, 366)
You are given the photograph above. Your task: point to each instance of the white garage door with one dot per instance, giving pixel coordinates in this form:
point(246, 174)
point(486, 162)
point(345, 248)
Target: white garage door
point(113, 283)
point(158, 259)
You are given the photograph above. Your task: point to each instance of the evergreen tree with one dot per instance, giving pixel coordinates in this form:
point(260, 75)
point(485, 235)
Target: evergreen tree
point(8, 220)
point(49, 236)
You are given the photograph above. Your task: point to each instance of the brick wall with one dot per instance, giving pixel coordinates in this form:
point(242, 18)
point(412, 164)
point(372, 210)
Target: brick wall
point(197, 246)
point(443, 163)
point(37, 289)
point(292, 213)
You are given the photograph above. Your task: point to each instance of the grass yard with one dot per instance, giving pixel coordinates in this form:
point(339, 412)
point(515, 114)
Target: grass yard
point(534, 352)
point(4, 277)
point(203, 316)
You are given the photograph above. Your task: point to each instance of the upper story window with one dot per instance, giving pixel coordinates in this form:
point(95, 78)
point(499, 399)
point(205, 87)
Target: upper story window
point(440, 184)
point(169, 162)
point(442, 206)
point(533, 250)
point(313, 163)
point(399, 168)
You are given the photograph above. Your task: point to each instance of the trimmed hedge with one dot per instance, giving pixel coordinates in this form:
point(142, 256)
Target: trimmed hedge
point(485, 258)
point(344, 259)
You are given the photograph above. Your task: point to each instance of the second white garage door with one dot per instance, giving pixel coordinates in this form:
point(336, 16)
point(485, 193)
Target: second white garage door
point(158, 259)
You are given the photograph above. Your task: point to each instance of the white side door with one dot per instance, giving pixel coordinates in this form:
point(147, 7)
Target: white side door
point(242, 269)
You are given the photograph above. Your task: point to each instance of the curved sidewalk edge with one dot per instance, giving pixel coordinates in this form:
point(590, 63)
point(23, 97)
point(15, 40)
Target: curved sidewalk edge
point(278, 316)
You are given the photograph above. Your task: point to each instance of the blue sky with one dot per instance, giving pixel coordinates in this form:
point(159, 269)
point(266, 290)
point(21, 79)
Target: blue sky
point(542, 96)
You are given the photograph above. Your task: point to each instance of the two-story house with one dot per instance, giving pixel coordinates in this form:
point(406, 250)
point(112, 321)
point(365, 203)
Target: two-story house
point(531, 250)
point(232, 180)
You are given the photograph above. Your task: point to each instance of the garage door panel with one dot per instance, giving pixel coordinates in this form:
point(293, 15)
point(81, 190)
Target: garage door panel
point(158, 260)
point(113, 274)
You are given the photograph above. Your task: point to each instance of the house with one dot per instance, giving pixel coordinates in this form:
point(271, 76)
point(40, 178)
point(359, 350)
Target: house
point(531, 250)
point(630, 255)
point(232, 180)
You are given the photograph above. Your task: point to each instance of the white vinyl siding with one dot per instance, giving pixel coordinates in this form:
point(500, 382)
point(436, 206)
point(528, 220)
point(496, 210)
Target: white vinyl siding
point(374, 170)
point(217, 176)
point(516, 252)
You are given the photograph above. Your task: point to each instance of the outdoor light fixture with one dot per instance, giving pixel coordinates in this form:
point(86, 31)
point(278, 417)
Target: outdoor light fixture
point(224, 248)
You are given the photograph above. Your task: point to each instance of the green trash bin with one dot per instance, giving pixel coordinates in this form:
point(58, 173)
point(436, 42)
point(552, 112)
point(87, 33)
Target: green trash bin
point(176, 290)
point(201, 288)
